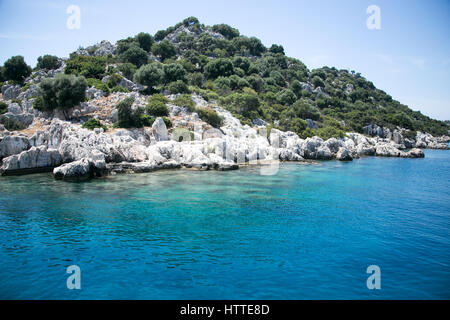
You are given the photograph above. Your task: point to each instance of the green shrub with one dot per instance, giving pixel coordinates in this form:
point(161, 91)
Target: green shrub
point(135, 55)
point(10, 124)
point(2, 76)
point(48, 62)
point(330, 132)
point(317, 82)
point(113, 80)
point(125, 44)
point(145, 41)
point(225, 30)
point(146, 120)
point(18, 101)
point(93, 123)
point(164, 49)
point(210, 116)
point(185, 100)
point(219, 67)
point(16, 69)
point(195, 79)
point(158, 97)
point(276, 49)
point(304, 110)
point(119, 89)
point(127, 117)
point(308, 133)
point(241, 103)
point(62, 92)
point(149, 75)
point(38, 104)
point(87, 66)
point(157, 108)
point(98, 84)
point(237, 83)
point(177, 87)
point(26, 87)
point(167, 122)
point(286, 97)
point(3, 107)
point(298, 125)
point(174, 72)
point(128, 70)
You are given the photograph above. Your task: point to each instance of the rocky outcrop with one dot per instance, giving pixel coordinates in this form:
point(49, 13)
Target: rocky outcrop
point(130, 85)
point(374, 130)
point(103, 48)
point(36, 159)
point(10, 91)
point(26, 119)
point(426, 140)
point(31, 92)
point(11, 145)
point(89, 153)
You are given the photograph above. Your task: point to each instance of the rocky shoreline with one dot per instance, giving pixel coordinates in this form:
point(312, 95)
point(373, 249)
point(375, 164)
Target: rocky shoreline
point(74, 153)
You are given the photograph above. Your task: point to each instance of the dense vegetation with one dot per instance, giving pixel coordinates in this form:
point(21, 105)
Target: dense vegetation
point(242, 75)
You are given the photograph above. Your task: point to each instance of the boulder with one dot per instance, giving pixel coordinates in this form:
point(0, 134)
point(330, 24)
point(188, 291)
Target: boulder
point(344, 154)
point(289, 155)
point(10, 91)
point(31, 92)
point(160, 130)
point(11, 145)
point(24, 118)
point(77, 170)
point(130, 85)
point(415, 153)
point(14, 108)
point(387, 150)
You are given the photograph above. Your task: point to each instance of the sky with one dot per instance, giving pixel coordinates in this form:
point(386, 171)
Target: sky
point(408, 57)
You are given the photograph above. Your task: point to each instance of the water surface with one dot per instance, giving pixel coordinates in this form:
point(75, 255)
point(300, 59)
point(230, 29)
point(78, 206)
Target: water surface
point(308, 232)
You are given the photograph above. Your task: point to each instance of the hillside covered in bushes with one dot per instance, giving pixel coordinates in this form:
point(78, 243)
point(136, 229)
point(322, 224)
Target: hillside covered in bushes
point(255, 83)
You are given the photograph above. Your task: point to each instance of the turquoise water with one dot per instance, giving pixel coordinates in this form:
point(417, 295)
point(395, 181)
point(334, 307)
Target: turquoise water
point(308, 232)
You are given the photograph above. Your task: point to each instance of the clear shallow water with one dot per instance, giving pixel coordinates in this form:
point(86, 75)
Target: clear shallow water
point(308, 232)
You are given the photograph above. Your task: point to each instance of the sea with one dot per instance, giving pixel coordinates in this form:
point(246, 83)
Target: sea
point(373, 228)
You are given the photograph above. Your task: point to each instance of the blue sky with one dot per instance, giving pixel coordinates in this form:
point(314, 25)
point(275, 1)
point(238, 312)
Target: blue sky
point(409, 57)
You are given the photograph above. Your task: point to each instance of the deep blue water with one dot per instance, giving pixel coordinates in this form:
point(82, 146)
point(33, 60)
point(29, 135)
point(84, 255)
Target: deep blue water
point(309, 231)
